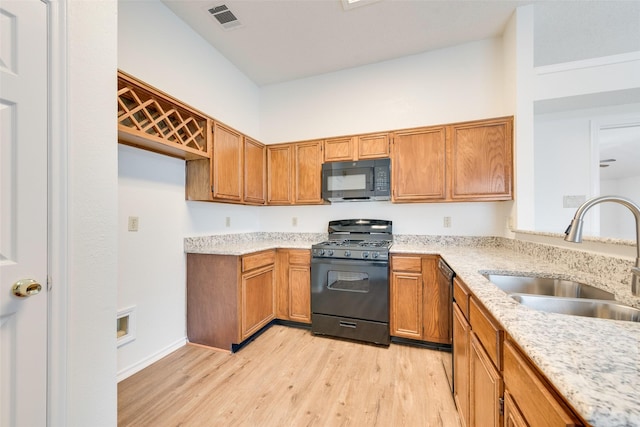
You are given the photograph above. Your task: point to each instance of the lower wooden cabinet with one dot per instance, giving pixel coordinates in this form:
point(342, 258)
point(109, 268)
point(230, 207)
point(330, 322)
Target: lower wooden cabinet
point(532, 400)
point(293, 296)
point(229, 297)
point(461, 342)
point(495, 384)
point(419, 307)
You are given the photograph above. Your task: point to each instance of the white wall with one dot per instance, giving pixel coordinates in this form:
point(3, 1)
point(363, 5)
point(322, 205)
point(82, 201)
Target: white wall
point(89, 166)
point(448, 85)
point(564, 166)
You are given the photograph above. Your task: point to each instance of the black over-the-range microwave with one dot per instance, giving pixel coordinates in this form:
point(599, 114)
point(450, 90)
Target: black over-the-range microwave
point(356, 181)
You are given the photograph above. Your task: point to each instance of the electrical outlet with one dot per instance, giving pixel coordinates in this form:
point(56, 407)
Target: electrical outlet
point(573, 201)
point(227, 221)
point(133, 223)
point(447, 222)
point(294, 221)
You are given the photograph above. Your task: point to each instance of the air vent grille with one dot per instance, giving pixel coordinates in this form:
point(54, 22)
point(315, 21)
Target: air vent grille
point(224, 16)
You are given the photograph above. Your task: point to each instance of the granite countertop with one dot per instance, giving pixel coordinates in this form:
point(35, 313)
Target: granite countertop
point(593, 363)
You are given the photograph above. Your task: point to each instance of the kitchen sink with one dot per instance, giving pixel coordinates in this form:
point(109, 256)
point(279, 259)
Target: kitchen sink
point(548, 286)
point(580, 307)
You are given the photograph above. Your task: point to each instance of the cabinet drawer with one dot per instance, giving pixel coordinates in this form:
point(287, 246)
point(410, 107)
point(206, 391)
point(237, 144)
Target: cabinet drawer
point(406, 263)
point(259, 259)
point(488, 331)
point(461, 296)
point(537, 403)
point(299, 256)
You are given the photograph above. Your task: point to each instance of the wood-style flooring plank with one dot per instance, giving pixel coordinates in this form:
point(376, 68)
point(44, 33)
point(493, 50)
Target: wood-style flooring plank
point(289, 377)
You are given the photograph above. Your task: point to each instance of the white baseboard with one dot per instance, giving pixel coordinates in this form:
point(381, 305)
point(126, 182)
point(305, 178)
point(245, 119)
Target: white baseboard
point(127, 372)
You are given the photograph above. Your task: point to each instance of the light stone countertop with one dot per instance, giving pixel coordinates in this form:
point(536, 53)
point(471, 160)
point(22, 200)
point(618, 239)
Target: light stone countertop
point(594, 363)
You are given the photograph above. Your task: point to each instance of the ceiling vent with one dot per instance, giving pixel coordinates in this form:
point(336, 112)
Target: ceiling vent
point(225, 17)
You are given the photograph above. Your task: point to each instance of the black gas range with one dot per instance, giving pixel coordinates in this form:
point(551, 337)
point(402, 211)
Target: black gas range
point(350, 281)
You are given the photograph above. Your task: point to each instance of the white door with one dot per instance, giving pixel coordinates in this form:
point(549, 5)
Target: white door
point(23, 212)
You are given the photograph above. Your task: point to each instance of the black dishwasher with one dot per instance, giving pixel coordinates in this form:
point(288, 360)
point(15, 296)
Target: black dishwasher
point(445, 281)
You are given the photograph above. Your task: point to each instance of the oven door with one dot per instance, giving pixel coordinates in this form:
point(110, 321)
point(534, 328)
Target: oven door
point(350, 288)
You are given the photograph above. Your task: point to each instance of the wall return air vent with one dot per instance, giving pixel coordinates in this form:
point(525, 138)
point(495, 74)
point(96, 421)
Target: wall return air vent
point(224, 16)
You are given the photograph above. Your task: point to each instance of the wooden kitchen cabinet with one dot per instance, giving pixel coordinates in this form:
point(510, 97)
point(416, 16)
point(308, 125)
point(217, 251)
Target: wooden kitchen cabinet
point(417, 304)
point(486, 387)
point(531, 399)
point(480, 160)
point(406, 297)
point(255, 171)
point(235, 173)
point(359, 147)
point(294, 173)
point(226, 170)
point(279, 174)
point(229, 297)
point(293, 297)
point(477, 349)
point(418, 165)
point(307, 178)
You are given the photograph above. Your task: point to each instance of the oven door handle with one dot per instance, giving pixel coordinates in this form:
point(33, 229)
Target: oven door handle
point(346, 324)
point(352, 262)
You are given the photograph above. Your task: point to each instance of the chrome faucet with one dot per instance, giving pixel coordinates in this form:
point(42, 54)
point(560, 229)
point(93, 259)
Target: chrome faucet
point(574, 231)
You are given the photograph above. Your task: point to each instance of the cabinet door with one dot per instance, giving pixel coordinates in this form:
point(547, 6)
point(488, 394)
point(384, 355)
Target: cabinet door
point(436, 303)
point(255, 166)
point(461, 332)
point(406, 305)
point(339, 149)
point(373, 146)
point(481, 160)
point(486, 387)
point(308, 173)
point(418, 165)
point(512, 415)
point(300, 293)
point(279, 164)
point(257, 295)
point(535, 399)
point(227, 163)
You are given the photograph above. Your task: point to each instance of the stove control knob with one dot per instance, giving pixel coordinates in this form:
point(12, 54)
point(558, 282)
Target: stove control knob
point(330, 252)
point(321, 252)
point(375, 254)
point(347, 253)
point(365, 254)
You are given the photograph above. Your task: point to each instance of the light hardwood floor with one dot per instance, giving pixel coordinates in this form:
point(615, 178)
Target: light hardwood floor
point(289, 377)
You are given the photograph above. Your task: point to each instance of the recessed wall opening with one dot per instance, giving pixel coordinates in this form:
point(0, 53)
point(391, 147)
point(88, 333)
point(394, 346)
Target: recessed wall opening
point(125, 326)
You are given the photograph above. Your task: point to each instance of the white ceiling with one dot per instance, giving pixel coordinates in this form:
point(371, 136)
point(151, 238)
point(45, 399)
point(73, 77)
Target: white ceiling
point(282, 40)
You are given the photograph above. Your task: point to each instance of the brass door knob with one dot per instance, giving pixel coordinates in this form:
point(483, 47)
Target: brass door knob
point(26, 288)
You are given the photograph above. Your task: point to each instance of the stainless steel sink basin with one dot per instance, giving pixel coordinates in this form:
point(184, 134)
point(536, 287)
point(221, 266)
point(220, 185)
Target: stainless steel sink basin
point(547, 286)
point(580, 307)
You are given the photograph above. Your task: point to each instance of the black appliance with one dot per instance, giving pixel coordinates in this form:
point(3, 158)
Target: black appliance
point(350, 281)
point(356, 181)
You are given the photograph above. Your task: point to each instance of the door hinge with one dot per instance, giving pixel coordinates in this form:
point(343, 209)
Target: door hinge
point(49, 283)
point(501, 403)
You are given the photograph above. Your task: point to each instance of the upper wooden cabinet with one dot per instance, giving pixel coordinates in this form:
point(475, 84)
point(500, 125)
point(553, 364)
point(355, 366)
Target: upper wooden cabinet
point(279, 174)
point(294, 173)
point(235, 173)
point(152, 120)
point(308, 173)
point(360, 147)
point(481, 160)
point(227, 173)
point(255, 171)
point(418, 165)
point(460, 162)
